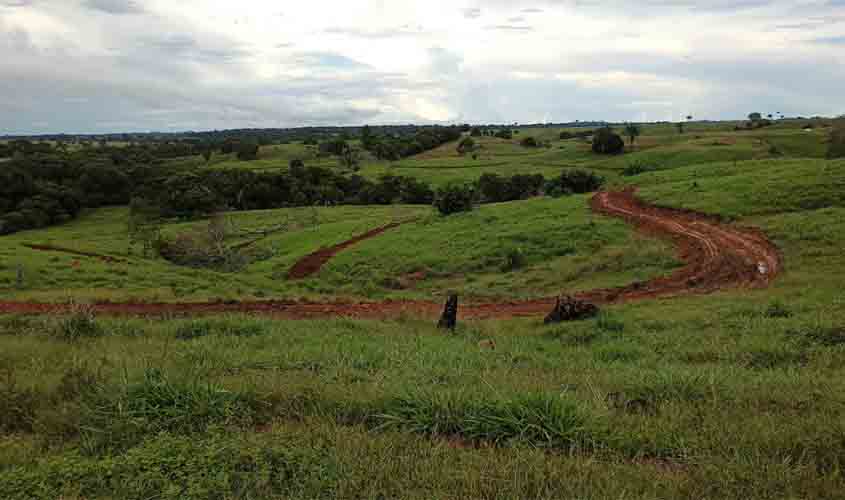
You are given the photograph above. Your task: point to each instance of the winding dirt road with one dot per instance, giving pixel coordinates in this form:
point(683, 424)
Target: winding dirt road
point(717, 256)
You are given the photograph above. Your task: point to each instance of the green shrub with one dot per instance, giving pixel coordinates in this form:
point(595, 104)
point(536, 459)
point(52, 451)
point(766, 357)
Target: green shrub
point(118, 417)
point(537, 419)
point(514, 259)
point(529, 142)
point(573, 181)
point(81, 323)
point(637, 168)
point(203, 328)
point(454, 198)
point(777, 309)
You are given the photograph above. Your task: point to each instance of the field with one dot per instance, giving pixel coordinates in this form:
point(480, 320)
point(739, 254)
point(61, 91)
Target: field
point(734, 394)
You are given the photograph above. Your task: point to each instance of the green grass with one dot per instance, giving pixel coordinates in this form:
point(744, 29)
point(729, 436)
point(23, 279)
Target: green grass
point(564, 246)
point(735, 395)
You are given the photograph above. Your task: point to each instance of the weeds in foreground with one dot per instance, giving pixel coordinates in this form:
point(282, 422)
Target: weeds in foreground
point(80, 323)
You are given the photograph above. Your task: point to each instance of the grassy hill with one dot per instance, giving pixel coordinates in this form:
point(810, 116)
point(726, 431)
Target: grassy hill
point(739, 394)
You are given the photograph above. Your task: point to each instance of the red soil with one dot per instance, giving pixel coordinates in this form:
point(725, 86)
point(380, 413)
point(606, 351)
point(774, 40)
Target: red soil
point(717, 256)
point(311, 264)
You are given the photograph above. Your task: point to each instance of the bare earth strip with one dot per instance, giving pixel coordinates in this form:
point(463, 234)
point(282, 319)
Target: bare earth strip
point(717, 256)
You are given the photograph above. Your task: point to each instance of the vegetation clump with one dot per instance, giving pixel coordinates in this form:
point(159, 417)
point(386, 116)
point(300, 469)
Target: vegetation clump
point(573, 182)
point(529, 142)
point(836, 144)
point(454, 198)
point(606, 142)
point(637, 168)
point(494, 188)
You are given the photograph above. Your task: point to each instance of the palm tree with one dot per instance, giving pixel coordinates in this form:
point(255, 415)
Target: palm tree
point(632, 130)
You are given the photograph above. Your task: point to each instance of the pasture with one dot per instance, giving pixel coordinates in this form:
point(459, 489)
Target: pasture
point(735, 394)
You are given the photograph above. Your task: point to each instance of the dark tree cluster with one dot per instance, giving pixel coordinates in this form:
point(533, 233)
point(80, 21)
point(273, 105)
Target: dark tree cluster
point(396, 147)
point(495, 189)
point(573, 182)
point(195, 194)
point(607, 142)
point(38, 192)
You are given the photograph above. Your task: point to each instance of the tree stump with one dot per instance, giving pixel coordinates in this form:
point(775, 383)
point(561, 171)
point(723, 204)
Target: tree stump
point(449, 318)
point(569, 309)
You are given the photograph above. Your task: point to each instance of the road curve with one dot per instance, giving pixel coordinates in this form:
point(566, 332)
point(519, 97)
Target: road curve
point(716, 256)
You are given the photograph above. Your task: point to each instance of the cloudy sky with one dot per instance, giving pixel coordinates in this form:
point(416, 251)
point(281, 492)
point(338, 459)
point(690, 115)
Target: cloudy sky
point(88, 66)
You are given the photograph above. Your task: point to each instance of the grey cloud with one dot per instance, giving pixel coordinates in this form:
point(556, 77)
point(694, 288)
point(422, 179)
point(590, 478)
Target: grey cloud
point(115, 6)
point(471, 12)
point(509, 27)
point(377, 34)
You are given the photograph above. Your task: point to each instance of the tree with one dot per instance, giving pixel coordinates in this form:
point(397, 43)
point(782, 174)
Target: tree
point(632, 130)
point(680, 126)
point(349, 158)
point(367, 138)
point(605, 141)
point(454, 198)
point(755, 117)
point(475, 132)
point(529, 142)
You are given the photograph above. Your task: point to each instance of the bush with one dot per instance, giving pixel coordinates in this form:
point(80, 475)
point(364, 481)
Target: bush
point(573, 181)
point(529, 142)
point(495, 189)
point(564, 136)
point(606, 142)
point(80, 324)
point(119, 417)
point(514, 259)
point(454, 198)
point(504, 134)
point(637, 168)
point(203, 328)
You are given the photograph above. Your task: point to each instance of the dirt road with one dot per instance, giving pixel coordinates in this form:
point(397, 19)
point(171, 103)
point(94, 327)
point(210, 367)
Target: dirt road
point(717, 256)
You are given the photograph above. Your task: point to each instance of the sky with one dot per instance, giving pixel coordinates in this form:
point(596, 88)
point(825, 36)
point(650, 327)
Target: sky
point(97, 66)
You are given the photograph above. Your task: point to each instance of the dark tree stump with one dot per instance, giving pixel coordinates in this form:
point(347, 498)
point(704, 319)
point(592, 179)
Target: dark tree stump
point(449, 318)
point(570, 309)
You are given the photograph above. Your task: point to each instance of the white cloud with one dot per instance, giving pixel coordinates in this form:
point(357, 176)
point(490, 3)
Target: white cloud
point(96, 65)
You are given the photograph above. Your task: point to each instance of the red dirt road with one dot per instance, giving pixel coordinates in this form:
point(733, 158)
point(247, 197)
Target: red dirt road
point(717, 257)
point(311, 264)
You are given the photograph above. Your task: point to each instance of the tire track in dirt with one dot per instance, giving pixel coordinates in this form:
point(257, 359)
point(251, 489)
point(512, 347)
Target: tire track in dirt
point(52, 248)
point(311, 264)
point(717, 256)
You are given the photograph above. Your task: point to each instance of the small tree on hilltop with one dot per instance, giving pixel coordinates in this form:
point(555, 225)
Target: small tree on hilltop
point(632, 130)
point(755, 117)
